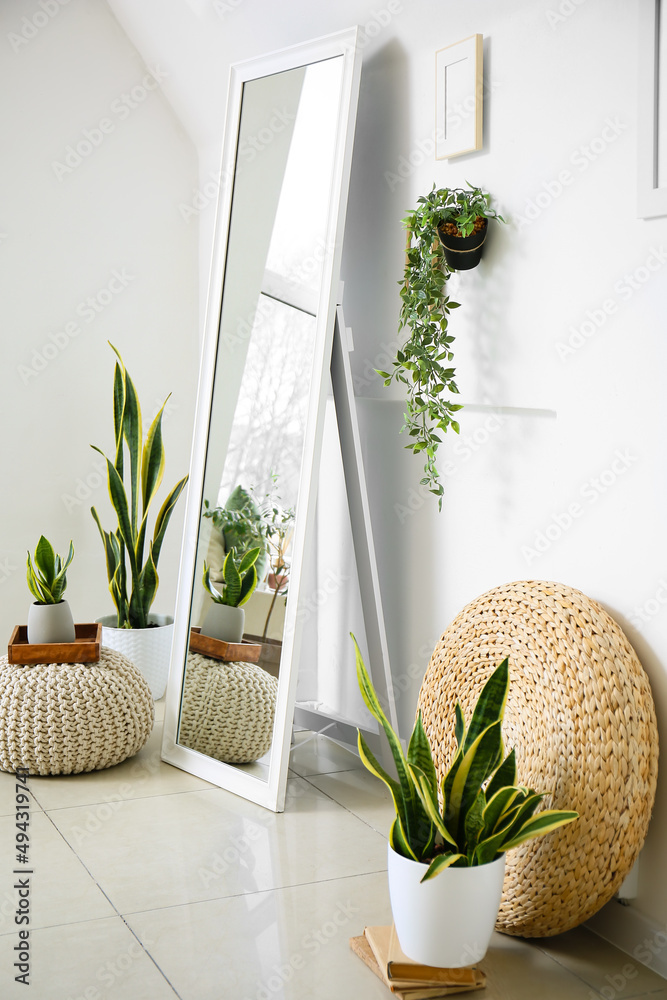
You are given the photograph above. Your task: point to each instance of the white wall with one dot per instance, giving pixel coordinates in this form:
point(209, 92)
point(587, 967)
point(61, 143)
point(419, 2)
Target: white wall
point(553, 88)
point(103, 224)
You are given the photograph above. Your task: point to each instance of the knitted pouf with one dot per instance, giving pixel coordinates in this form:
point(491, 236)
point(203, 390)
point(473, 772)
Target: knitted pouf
point(65, 718)
point(581, 717)
point(227, 710)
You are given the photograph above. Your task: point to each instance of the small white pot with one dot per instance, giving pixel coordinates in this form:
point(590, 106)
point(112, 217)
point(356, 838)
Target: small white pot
point(148, 648)
point(224, 622)
point(447, 921)
point(50, 623)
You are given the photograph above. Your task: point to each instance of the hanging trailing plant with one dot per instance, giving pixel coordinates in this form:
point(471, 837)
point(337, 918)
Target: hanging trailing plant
point(423, 363)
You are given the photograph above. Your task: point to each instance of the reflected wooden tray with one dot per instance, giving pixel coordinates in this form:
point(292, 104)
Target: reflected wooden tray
point(227, 652)
point(84, 649)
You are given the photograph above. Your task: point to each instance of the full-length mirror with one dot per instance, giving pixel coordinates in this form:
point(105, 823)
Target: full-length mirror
point(290, 122)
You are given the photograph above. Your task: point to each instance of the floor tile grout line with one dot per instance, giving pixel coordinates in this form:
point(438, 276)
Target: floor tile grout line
point(254, 893)
point(346, 808)
point(134, 798)
point(111, 904)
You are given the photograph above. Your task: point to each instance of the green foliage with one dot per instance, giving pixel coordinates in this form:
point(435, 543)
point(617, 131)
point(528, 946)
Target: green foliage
point(423, 363)
point(479, 811)
point(46, 574)
point(239, 579)
point(143, 474)
point(241, 524)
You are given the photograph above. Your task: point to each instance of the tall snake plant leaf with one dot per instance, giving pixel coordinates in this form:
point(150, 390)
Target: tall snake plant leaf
point(164, 515)
point(490, 705)
point(416, 824)
point(474, 824)
point(373, 765)
point(504, 776)
point(60, 581)
point(131, 424)
point(497, 805)
point(118, 407)
point(248, 584)
point(459, 725)
point(544, 822)
point(420, 756)
point(471, 773)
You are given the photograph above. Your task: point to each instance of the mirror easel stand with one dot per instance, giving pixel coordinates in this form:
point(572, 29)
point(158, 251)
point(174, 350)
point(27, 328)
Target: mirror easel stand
point(377, 658)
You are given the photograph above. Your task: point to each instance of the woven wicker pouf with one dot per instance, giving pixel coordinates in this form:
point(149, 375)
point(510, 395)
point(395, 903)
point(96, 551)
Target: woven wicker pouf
point(227, 709)
point(65, 718)
point(580, 715)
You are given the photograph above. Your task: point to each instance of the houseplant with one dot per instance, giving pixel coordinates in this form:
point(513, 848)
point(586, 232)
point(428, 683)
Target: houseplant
point(241, 524)
point(423, 363)
point(225, 618)
point(447, 844)
point(49, 617)
point(131, 559)
point(463, 223)
point(278, 530)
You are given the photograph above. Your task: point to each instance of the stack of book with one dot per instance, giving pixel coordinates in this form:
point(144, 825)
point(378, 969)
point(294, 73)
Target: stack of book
point(379, 949)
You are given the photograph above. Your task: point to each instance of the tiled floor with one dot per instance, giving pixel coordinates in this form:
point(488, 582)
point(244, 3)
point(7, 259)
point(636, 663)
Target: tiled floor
point(151, 883)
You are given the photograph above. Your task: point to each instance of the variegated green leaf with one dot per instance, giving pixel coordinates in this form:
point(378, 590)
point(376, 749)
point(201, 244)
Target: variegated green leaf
point(152, 461)
point(419, 755)
point(544, 822)
point(460, 724)
point(504, 776)
point(441, 862)
point(490, 705)
point(481, 755)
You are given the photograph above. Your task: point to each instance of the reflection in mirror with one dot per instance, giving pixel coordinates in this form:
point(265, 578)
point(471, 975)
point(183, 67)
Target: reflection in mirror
point(262, 423)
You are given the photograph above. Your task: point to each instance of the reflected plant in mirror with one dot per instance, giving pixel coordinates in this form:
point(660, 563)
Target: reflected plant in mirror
point(225, 618)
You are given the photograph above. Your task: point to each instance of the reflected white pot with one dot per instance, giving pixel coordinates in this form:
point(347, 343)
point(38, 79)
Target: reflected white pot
point(50, 623)
point(224, 622)
point(447, 921)
point(148, 648)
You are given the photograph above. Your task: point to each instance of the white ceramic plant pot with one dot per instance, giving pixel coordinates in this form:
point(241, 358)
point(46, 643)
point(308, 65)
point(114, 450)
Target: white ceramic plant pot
point(148, 648)
point(224, 622)
point(50, 623)
point(447, 921)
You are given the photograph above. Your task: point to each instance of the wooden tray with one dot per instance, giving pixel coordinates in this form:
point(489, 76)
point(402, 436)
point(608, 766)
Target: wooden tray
point(228, 652)
point(84, 649)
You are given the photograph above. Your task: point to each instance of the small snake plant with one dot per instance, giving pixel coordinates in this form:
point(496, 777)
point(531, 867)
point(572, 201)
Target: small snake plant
point(239, 579)
point(478, 811)
point(46, 575)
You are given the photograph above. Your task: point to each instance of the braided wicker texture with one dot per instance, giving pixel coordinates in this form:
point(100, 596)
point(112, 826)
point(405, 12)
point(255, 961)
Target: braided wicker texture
point(580, 715)
point(227, 710)
point(65, 718)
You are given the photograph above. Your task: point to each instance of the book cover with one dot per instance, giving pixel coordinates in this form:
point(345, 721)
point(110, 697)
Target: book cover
point(362, 949)
point(405, 973)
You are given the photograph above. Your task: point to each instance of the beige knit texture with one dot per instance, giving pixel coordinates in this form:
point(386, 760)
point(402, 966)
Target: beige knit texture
point(65, 718)
point(580, 715)
point(227, 710)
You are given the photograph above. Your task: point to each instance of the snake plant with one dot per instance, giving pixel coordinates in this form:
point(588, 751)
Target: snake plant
point(46, 574)
point(143, 473)
point(478, 811)
point(239, 579)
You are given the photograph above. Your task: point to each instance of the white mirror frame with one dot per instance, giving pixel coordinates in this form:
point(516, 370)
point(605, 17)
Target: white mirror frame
point(271, 793)
point(651, 199)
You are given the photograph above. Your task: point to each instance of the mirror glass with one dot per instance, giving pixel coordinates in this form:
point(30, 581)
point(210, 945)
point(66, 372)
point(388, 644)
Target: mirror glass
point(264, 406)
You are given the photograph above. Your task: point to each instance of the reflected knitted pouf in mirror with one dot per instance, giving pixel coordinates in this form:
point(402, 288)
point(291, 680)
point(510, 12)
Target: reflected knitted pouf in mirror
point(581, 717)
point(227, 710)
point(65, 718)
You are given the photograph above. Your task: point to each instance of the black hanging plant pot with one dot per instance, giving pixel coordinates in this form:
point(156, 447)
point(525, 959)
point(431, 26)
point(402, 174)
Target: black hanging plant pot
point(463, 252)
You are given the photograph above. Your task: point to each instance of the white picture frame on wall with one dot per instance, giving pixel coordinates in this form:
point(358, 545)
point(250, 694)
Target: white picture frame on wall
point(652, 111)
point(458, 98)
